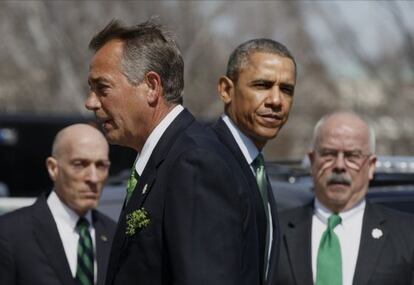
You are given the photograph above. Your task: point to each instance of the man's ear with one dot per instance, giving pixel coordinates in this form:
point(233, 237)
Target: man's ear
point(372, 163)
point(311, 157)
point(153, 81)
point(225, 88)
point(52, 168)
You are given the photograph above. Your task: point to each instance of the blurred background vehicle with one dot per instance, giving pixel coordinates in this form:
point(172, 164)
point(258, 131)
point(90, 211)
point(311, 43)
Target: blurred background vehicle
point(393, 186)
point(26, 142)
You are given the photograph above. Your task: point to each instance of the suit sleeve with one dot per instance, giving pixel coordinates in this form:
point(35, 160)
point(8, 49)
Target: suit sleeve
point(7, 268)
point(203, 221)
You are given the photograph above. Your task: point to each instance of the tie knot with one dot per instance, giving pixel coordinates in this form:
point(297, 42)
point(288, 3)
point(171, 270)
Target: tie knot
point(333, 221)
point(134, 173)
point(258, 162)
point(82, 224)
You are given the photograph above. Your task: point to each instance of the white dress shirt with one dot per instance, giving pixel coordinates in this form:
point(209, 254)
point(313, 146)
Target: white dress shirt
point(66, 220)
point(250, 152)
point(348, 232)
point(154, 137)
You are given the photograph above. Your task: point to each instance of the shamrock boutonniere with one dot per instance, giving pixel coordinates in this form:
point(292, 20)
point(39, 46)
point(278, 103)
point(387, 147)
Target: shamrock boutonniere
point(138, 219)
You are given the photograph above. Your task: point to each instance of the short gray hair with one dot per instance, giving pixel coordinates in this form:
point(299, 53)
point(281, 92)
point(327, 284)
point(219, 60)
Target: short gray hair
point(240, 55)
point(147, 47)
point(319, 124)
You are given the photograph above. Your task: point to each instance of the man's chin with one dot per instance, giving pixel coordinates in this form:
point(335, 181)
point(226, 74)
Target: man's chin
point(111, 136)
point(338, 199)
point(90, 204)
point(267, 132)
point(338, 188)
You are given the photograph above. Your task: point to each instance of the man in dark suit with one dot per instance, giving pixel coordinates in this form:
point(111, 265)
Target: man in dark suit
point(340, 238)
point(40, 244)
point(187, 217)
point(258, 93)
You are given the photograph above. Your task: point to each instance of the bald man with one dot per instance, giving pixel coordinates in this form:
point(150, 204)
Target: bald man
point(340, 239)
point(61, 239)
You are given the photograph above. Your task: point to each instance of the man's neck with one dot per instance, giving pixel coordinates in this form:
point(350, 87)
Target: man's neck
point(157, 116)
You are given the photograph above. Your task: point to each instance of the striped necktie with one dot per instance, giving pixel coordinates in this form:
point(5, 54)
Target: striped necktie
point(84, 270)
point(329, 262)
point(259, 169)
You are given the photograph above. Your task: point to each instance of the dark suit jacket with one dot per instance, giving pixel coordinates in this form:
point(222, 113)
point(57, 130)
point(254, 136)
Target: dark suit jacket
point(259, 226)
point(381, 261)
point(31, 251)
point(200, 216)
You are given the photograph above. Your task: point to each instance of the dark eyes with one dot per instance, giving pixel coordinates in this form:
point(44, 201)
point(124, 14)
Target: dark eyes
point(99, 88)
point(82, 164)
point(104, 165)
point(79, 164)
point(351, 155)
point(288, 89)
point(263, 85)
point(266, 85)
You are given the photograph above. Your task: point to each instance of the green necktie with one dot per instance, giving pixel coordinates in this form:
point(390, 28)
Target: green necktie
point(132, 182)
point(84, 270)
point(329, 263)
point(259, 169)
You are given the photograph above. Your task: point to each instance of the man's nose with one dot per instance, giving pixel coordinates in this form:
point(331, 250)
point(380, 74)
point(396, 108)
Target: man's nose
point(92, 174)
point(274, 97)
point(92, 102)
point(339, 163)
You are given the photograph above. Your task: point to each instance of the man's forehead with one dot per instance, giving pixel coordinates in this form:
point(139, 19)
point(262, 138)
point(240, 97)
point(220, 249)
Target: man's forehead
point(82, 139)
point(108, 55)
point(89, 152)
point(344, 137)
point(267, 64)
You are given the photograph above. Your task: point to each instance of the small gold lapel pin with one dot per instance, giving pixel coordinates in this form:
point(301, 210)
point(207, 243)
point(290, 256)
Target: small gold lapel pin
point(376, 233)
point(144, 190)
point(104, 238)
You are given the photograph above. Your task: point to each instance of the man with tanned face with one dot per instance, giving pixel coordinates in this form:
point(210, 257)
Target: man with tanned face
point(257, 92)
point(187, 214)
point(340, 239)
point(41, 244)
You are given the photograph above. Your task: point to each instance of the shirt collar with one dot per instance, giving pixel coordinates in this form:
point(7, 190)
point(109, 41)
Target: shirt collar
point(62, 213)
point(323, 213)
point(245, 144)
point(154, 137)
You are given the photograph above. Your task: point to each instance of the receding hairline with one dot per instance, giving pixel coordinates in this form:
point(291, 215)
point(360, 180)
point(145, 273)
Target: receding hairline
point(148, 46)
point(319, 126)
point(117, 29)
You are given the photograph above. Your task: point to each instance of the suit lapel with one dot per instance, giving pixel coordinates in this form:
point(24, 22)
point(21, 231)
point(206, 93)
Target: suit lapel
point(103, 247)
point(47, 236)
point(226, 137)
point(374, 224)
point(145, 183)
point(228, 140)
point(274, 254)
point(297, 240)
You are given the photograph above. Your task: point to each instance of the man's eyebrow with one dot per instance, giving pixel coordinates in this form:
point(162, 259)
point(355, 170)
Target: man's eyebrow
point(99, 79)
point(288, 85)
point(261, 81)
